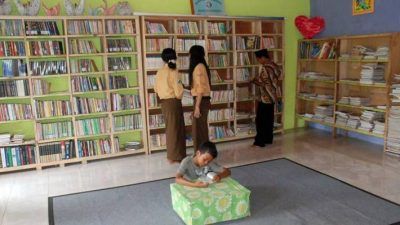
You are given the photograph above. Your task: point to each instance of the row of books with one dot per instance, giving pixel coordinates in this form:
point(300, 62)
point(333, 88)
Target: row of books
point(92, 126)
point(158, 140)
point(243, 59)
point(183, 62)
point(119, 63)
point(316, 96)
point(17, 156)
point(188, 28)
point(41, 87)
point(127, 122)
point(83, 66)
point(12, 48)
point(316, 76)
point(11, 28)
point(124, 102)
point(14, 68)
point(46, 131)
point(157, 45)
point(36, 28)
point(268, 42)
point(52, 108)
point(11, 112)
point(14, 88)
point(222, 96)
point(372, 73)
point(82, 46)
point(84, 84)
point(218, 45)
point(219, 132)
point(45, 48)
point(215, 77)
point(89, 105)
point(152, 100)
point(80, 27)
point(243, 74)
point(152, 62)
point(217, 28)
point(156, 121)
point(356, 101)
point(97, 147)
point(56, 151)
point(317, 50)
point(120, 27)
point(119, 45)
point(155, 28)
point(369, 121)
point(393, 133)
point(395, 91)
point(364, 52)
point(248, 43)
point(184, 45)
point(45, 68)
point(117, 82)
point(245, 128)
point(220, 114)
point(218, 60)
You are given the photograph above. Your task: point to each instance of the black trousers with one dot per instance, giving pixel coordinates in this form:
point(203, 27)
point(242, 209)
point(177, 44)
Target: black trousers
point(264, 124)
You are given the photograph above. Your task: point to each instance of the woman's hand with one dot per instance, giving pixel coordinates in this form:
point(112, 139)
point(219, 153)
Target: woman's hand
point(196, 112)
point(217, 178)
point(201, 184)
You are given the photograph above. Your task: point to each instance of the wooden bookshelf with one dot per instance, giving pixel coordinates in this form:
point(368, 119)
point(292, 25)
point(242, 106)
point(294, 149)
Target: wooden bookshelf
point(345, 70)
point(100, 33)
point(220, 37)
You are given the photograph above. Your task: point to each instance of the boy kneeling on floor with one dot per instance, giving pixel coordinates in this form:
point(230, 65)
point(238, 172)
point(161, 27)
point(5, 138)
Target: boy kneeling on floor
point(201, 169)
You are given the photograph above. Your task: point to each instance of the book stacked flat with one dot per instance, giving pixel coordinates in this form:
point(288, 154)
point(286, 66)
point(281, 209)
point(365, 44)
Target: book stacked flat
point(344, 100)
point(323, 111)
point(393, 135)
point(372, 73)
point(341, 118)
point(359, 101)
point(5, 139)
point(379, 127)
point(245, 128)
point(353, 122)
point(382, 53)
point(395, 93)
point(133, 145)
point(316, 76)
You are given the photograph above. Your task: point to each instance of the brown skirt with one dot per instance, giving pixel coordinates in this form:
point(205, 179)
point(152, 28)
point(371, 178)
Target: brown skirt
point(174, 128)
point(200, 125)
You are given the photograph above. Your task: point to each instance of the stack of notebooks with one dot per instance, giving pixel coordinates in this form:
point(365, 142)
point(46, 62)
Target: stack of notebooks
point(357, 101)
point(323, 111)
point(17, 139)
point(5, 139)
point(379, 127)
point(393, 135)
point(382, 53)
point(316, 76)
point(395, 93)
point(341, 118)
point(372, 73)
point(353, 122)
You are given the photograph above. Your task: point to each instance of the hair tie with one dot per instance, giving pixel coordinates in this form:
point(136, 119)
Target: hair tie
point(172, 61)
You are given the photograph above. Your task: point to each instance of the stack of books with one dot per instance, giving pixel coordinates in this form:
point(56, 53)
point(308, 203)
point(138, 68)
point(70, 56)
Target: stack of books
point(395, 93)
point(372, 73)
point(341, 118)
point(120, 27)
point(245, 128)
point(379, 127)
point(316, 76)
point(216, 28)
point(218, 132)
point(393, 135)
point(323, 111)
point(133, 145)
point(157, 45)
point(5, 139)
point(184, 45)
point(359, 101)
point(155, 28)
point(353, 121)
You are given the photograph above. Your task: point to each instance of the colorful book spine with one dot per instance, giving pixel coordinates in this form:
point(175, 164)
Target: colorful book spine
point(46, 131)
point(56, 151)
point(120, 27)
point(118, 82)
point(218, 60)
point(188, 28)
point(120, 45)
point(90, 105)
point(11, 28)
point(124, 102)
point(11, 112)
point(12, 48)
point(79, 27)
point(157, 45)
point(80, 46)
point(87, 148)
point(41, 28)
point(219, 132)
point(17, 156)
point(220, 115)
point(243, 74)
point(83, 66)
point(217, 28)
point(217, 45)
point(155, 28)
point(85, 84)
point(41, 87)
point(14, 88)
point(156, 121)
point(158, 140)
point(93, 126)
point(46, 48)
point(47, 68)
point(52, 108)
point(127, 122)
point(14, 68)
point(222, 96)
point(243, 59)
point(119, 63)
point(184, 45)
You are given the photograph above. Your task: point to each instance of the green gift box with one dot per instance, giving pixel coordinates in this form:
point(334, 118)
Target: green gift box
point(222, 201)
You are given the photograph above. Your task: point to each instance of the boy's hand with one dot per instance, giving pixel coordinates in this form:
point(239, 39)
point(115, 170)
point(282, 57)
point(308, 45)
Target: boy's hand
point(217, 178)
point(201, 184)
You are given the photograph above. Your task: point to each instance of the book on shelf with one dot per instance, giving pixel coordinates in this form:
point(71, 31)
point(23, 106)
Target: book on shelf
point(82, 46)
point(268, 42)
point(316, 76)
point(152, 100)
point(219, 132)
point(85, 84)
point(248, 43)
point(84, 27)
point(243, 129)
point(218, 60)
point(220, 114)
point(119, 63)
point(158, 44)
point(46, 68)
point(57, 151)
point(46, 48)
point(395, 93)
point(17, 139)
point(188, 27)
point(217, 45)
point(183, 62)
point(222, 96)
point(89, 105)
point(372, 73)
point(46, 131)
point(125, 102)
point(11, 112)
point(12, 48)
point(133, 145)
point(120, 45)
point(155, 28)
point(393, 133)
point(40, 28)
point(127, 122)
point(14, 88)
point(243, 59)
point(217, 28)
point(359, 52)
point(368, 119)
point(151, 80)
point(117, 82)
point(158, 140)
point(321, 112)
point(5, 139)
point(51, 108)
point(14, 68)
point(215, 77)
point(17, 156)
point(11, 28)
point(83, 66)
point(156, 121)
point(41, 87)
point(243, 74)
point(97, 147)
point(317, 50)
point(185, 79)
point(92, 126)
point(184, 45)
point(188, 118)
point(120, 27)
point(152, 62)
point(187, 98)
point(354, 101)
point(244, 115)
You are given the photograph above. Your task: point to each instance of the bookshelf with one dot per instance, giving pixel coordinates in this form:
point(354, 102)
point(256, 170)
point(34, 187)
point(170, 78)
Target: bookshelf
point(230, 43)
point(80, 80)
point(345, 82)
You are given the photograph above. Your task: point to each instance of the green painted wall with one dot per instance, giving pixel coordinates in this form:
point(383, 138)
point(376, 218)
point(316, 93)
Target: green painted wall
point(282, 8)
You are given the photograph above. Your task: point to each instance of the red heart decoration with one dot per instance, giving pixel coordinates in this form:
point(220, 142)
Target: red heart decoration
point(309, 27)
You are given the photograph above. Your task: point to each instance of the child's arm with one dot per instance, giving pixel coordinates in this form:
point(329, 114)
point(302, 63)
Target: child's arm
point(225, 173)
point(179, 179)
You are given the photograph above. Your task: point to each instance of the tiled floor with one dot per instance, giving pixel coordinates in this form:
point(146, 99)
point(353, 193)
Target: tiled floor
point(24, 196)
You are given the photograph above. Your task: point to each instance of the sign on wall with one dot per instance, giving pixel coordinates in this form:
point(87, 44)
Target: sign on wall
point(363, 6)
point(208, 7)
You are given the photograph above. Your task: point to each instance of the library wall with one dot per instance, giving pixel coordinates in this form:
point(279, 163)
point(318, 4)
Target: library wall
point(385, 18)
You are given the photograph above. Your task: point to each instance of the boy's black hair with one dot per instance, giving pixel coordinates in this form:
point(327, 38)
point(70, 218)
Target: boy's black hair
point(262, 53)
point(208, 147)
point(167, 55)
